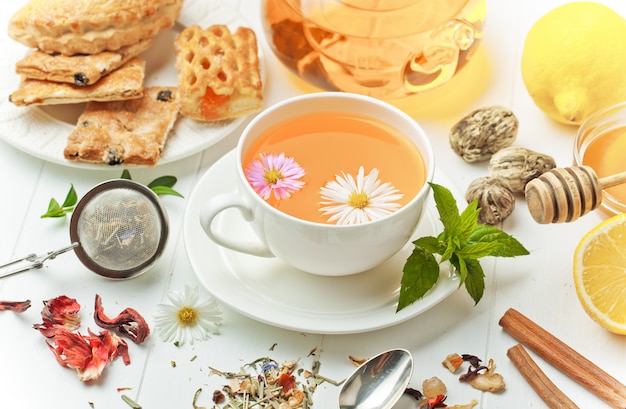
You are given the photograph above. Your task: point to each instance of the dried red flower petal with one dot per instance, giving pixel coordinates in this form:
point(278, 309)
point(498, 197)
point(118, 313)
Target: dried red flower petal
point(287, 382)
point(218, 396)
point(474, 370)
point(14, 306)
point(437, 402)
point(61, 312)
point(89, 355)
point(128, 322)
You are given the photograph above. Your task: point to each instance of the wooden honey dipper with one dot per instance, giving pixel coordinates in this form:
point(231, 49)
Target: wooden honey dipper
point(565, 194)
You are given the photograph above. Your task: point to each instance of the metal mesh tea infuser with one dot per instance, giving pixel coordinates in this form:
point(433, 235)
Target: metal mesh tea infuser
point(118, 230)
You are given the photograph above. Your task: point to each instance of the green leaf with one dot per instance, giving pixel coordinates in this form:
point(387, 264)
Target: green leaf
point(468, 221)
point(54, 209)
point(461, 268)
point(463, 241)
point(477, 250)
point(420, 274)
point(125, 174)
point(57, 210)
point(505, 245)
point(164, 190)
point(447, 208)
point(475, 280)
point(167, 181)
point(71, 198)
point(429, 243)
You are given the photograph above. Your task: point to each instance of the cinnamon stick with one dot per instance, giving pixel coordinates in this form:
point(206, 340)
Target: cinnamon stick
point(564, 358)
point(537, 379)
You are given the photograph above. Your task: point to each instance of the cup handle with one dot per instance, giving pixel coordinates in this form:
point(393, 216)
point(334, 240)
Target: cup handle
point(215, 206)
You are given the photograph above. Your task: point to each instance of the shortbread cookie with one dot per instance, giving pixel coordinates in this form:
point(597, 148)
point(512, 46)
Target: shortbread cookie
point(90, 26)
point(218, 73)
point(130, 132)
point(80, 69)
point(123, 83)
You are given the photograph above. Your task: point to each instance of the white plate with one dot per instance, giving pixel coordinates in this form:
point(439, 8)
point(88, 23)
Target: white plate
point(269, 291)
point(42, 131)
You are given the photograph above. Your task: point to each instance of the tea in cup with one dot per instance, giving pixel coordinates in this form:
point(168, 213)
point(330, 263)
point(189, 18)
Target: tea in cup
point(331, 183)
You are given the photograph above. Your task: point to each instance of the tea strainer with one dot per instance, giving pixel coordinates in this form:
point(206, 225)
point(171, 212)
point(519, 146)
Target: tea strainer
point(118, 230)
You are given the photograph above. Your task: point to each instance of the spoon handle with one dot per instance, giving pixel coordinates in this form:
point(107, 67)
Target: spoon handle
point(613, 180)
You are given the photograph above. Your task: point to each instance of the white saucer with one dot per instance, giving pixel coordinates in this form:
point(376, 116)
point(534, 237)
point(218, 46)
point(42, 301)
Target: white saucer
point(270, 291)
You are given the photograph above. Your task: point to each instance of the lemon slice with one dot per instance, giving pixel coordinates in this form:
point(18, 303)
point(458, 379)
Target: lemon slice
point(600, 273)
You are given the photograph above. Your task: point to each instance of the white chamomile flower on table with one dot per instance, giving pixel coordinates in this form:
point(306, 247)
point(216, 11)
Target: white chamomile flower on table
point(184, 317)
point(350, 200)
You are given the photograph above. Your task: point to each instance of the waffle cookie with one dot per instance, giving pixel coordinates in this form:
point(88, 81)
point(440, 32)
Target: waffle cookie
point(123, 83)
point(132, 132)
point(80, 70)
point(90, 26)
point(218, 73)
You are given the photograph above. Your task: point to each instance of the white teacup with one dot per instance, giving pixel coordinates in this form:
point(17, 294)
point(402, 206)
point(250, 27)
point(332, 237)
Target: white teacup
point(314, 247)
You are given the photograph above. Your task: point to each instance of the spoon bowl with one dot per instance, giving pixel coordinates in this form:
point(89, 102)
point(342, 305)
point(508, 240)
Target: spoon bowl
point(379, 382)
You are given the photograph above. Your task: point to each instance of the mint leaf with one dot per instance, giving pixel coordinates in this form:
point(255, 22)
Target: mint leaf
point(477, 250)
point(463, 242)
point(57, 210)
point(54, 209)
point(475, 280)
point(447, 208)
point(167, 181)
point(165, 190)
point(468, 221)
point(421, 273)
point(505, 244)
point(71, 198)
point(161, 186)
point(428, 243)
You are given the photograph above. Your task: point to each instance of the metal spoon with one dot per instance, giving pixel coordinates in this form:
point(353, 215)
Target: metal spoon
point(379, 382)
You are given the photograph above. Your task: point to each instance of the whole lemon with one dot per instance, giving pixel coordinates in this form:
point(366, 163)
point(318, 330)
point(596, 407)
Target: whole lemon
point(574, 61)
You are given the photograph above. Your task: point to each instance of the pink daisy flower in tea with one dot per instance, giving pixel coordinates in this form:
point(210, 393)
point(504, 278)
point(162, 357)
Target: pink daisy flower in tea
point(275, 174)
point(350, 200)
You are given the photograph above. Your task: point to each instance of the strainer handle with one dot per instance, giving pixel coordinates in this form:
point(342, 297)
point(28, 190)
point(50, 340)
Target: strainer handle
point(34, 261)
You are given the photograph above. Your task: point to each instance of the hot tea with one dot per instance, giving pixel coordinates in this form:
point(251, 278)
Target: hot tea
point(386, 49)
point(334, 146)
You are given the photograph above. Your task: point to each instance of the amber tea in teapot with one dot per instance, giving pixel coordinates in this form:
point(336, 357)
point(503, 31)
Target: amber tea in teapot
point(381, 48)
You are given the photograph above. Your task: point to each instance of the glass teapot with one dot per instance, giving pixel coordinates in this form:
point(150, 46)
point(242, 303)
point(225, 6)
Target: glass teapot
point(382, 48)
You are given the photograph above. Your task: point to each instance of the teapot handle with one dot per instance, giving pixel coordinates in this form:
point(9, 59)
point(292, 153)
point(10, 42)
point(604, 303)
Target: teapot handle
point(438, 60)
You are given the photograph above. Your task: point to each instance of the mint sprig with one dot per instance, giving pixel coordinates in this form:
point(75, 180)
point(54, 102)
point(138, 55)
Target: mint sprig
point(60, 210)
point(462, 242)
point(161, 186)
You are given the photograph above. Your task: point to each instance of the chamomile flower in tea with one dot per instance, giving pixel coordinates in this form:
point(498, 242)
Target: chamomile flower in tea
point(350, 200)
point(187, 318)
point(275, 174)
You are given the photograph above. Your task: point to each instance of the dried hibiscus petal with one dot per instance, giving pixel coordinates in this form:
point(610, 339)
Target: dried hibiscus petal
point(436, 402)
point(287, 382)
point(57, 312)
point(128, 322)
point(88, 354)
point(14, 306)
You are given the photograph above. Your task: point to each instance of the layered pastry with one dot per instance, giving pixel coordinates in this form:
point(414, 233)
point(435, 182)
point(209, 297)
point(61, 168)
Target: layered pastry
point(218, 73)
point(90, 26)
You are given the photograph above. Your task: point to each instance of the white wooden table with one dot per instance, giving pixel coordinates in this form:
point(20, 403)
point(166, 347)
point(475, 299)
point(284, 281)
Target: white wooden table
point(539, 285)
